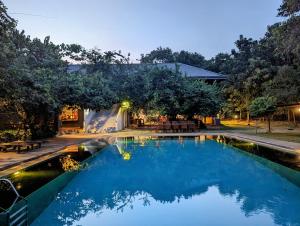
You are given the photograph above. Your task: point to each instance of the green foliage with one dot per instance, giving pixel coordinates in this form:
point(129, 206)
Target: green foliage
point(170, 93)
point(289, 7)
point(200, 98)
point(11, 135)
point(263, 106)
point(164, 91)
point(166, 55)
point(35, 84)
point(269, 66)
point(160, 55)
point(285, 85)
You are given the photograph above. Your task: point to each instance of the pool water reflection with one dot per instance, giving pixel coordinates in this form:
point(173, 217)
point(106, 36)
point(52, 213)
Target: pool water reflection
point(175, 182)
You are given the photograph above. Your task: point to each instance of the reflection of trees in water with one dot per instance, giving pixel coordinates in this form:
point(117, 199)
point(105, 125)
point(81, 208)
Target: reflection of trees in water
point(171, 173)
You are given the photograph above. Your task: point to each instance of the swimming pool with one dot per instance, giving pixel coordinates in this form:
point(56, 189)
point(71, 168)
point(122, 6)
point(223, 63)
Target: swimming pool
point(176, 182)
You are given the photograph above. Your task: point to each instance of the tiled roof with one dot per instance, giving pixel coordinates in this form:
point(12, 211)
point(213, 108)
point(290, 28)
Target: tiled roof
point(187, 70)
point(191, 71)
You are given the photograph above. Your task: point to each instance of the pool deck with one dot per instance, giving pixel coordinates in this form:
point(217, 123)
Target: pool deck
point(11, 161)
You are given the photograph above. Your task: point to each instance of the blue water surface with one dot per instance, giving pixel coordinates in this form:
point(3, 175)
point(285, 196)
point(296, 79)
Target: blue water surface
point(175, 182)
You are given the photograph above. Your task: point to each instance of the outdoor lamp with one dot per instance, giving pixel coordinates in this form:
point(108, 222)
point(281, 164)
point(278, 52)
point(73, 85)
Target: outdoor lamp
point(125, 104)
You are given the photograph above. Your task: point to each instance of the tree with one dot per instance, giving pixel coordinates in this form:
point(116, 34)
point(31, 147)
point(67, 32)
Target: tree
point(199, 98)
point(221, 63)
point(135, 87)
point(263, 107)
point(159, 55)
point(166, 55)
point(193, 59)
point(289, 8)
point(164, 92)
point(285, 85)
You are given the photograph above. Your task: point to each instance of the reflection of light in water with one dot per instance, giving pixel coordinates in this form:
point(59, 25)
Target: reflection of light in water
point(179, 179)
point(34, 174)
point(16, 173)
point(157, 144)
point(180, 140)
point(125, 154)
point(141, 140)
point(19, 186)
point(69, 164)
point(201, 139)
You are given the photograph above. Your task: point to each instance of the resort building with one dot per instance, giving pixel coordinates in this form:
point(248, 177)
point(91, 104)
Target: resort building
point(78, 120)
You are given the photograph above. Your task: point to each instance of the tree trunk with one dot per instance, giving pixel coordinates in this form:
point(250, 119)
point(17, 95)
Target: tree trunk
point(269, 124)
point(248, 118)
point(294, 119)
point(256, 126)
point(240, 115)
point(289, 116)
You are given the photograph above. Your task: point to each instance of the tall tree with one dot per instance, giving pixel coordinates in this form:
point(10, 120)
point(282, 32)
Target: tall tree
point(159, 55)
point(264, 107)
point(289, 8)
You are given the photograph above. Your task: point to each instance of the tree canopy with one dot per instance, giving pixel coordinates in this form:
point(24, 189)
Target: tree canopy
point(35, 82)
point(263, 107)
point(166, 55)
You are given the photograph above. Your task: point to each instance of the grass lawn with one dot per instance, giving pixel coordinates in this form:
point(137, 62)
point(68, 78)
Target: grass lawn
point(280, 130)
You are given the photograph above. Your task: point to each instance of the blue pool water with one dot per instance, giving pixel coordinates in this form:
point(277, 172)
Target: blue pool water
point(175, 182)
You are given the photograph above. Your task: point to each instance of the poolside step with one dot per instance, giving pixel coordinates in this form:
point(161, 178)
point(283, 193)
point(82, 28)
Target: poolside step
point(19, 217)
point(17, 212)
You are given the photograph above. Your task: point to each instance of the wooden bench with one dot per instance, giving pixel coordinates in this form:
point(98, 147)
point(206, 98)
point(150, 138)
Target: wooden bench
point(37, 143)
point(18, 146)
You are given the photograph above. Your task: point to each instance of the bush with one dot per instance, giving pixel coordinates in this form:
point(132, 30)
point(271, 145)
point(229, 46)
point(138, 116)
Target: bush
point(11, 135)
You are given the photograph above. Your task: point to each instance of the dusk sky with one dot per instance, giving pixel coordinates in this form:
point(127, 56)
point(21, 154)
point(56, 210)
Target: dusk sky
point(139, 26)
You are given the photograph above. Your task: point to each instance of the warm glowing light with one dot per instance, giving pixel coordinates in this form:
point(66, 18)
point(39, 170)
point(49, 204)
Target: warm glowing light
point(126, 155)
point(125, 104)
point(16, 173)
point(298, 109)
point(81, 148)
point(236, 116)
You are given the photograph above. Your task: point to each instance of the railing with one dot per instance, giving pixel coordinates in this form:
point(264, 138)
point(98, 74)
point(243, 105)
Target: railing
point(17, 213)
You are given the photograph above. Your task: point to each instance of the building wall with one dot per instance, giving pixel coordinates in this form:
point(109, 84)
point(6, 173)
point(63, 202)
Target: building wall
point(74, 124)
point(122, 119)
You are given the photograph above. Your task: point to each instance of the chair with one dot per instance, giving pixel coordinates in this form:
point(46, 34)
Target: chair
point(175, 126)
point(167, 126)
point(192, 126)
point(184, 126)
